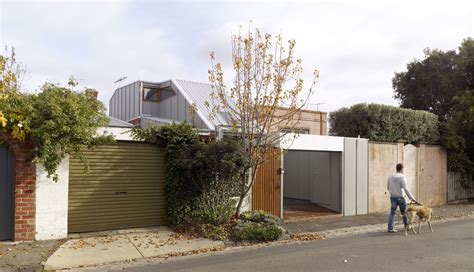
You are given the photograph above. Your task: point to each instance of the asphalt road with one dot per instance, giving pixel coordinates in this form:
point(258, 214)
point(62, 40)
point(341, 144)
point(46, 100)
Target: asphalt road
point(449, 248)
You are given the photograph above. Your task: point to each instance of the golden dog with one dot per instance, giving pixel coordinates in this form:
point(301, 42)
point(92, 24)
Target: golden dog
point(423, 212)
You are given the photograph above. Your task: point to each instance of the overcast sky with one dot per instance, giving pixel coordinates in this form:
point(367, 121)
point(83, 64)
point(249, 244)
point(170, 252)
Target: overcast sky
point(357, 46)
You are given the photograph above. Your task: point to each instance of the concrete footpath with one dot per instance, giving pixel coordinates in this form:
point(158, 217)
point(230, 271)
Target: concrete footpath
point(337, 226)
point(155, 242)
point(26, 256)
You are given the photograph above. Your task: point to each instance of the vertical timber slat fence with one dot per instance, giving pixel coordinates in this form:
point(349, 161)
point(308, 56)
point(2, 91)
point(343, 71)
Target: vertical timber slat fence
point(266, 191)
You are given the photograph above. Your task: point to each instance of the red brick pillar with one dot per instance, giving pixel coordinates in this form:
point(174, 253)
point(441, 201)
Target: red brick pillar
point(25, 182)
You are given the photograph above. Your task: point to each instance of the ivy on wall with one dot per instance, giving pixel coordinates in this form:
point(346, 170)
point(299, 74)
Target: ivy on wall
point(202, 177)
point(58, 119)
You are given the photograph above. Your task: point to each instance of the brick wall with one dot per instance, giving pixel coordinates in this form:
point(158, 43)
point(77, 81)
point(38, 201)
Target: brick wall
point(25, 179)
point(308, 121)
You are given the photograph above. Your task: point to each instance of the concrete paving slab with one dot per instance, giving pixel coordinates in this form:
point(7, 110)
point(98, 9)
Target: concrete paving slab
point(26, 255)
point(92, 251)
point(122, 247)
point(151, 237)
point(162, 244)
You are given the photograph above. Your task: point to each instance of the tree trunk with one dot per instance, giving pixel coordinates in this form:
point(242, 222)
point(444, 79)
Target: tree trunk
point(243, 192)
point(239, 206)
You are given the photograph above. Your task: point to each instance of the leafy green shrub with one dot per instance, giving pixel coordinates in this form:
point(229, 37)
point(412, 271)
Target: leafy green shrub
point(59, 120)
point(384, 123)
point(211, 231)
point(256, 232)
point(257, 226)
point(214, 206)
point(260, 217)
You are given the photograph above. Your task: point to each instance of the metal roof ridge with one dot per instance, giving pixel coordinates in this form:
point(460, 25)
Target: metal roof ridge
point(191, 81)
point(191, 101)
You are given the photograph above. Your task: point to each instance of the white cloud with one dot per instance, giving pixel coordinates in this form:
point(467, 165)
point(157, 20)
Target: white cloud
point(356, 46)
point(97, 43)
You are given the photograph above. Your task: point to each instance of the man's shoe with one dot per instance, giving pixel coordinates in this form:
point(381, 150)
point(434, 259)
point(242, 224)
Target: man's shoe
point(392, 231)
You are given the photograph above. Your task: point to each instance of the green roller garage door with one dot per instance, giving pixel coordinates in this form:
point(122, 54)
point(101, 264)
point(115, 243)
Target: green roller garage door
point(124, 188)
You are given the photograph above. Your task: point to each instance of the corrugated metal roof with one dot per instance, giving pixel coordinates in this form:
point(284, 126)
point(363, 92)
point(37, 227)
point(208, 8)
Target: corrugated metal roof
point(194, 92)
point(114, 122)
point(158, 119)
point(199, 93)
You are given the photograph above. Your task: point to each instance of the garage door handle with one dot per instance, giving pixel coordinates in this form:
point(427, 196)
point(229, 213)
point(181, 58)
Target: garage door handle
point(121, 193)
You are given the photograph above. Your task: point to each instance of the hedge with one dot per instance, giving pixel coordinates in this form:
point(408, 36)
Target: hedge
point(384, 123)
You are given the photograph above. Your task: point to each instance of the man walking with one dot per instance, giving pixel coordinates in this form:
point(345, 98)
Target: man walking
point(397, 182)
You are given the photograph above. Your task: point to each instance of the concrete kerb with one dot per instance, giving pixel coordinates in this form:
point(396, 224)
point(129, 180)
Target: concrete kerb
point(229, 249)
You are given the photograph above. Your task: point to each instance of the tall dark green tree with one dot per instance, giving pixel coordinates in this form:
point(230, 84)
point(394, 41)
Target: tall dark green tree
point(443, 83)
point(430, 84)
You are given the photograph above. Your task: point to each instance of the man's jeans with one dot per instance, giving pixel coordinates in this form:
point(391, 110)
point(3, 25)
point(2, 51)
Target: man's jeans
point(400, 202)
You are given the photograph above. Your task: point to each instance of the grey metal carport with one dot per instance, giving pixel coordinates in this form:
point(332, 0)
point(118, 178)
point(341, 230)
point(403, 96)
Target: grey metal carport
point(314, 176)
point(329, 171)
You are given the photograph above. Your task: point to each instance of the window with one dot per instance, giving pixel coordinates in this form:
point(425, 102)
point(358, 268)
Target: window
point(153, 95)
point(157, 94)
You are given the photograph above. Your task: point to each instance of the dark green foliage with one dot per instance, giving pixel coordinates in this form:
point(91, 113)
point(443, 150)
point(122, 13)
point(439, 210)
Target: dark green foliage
point(209, 231)
point(466, 62)
point(65, 122)
point(261, 217)
point(214, 170)
point(173, 137)
point(384, 123)
point(59, 120)
point(430, 84)
point(202, 178)
point(443, 83)
point(256, 232)
point(457, 136)
point(257, 226)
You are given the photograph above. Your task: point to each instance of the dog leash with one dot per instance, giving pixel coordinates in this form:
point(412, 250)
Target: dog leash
point(415, 202)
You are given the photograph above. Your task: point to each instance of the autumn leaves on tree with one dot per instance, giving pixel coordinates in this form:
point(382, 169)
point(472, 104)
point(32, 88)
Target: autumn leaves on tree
point(266, 95)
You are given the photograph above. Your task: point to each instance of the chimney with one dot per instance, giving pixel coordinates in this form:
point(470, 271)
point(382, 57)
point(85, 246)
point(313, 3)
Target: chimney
point(92, 93)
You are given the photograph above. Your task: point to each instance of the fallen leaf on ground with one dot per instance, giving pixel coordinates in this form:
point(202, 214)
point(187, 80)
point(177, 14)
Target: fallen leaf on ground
point(196, 251)
point(307, 237)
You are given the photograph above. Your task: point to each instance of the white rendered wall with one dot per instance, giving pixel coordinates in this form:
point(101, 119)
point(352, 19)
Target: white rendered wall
point(120, 134)
point(52, 203)
point(312, 142)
